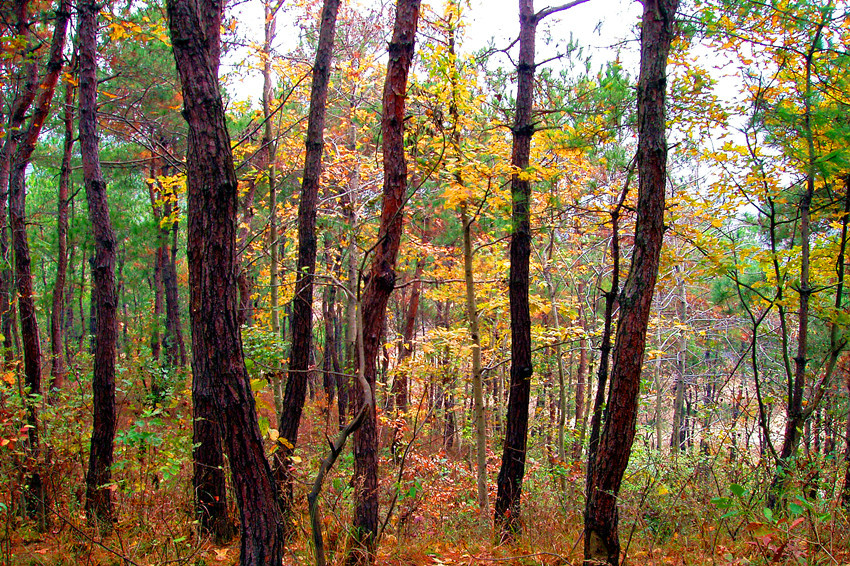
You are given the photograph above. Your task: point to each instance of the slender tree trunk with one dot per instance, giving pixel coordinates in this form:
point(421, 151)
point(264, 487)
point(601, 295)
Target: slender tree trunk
point(581, 376)
point(478, 414)
point(329, 315)
point(246, 280)
point(158, 286)
point(405, 349)
point(601, 535)
point(270, 150)
point(270, 146)
point(679, 434)
point(220, 384)
point(58, 365)
point(104, 292)
point(845, 492)
point(516, 433)
point(6, 308)
point(302, 301)
point(382, 274)
point(21, 145)
point(796, 415)
point(175, 347)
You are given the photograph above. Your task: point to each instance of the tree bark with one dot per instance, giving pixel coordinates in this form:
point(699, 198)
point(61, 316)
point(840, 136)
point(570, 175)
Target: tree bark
point(302, 301)
point(21, 144)
point(382, 275)
point(601, 536)
point(220, 378)
point(516, 432)
point(58, 366)
point(104, 293)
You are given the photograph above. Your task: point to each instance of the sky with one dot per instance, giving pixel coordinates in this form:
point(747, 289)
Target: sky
point(605, 30)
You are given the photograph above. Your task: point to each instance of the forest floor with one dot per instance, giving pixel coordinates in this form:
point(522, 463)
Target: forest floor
point(690, 510)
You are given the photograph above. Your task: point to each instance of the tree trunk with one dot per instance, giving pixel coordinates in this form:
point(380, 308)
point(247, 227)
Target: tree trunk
point(795, 413)
point(581, 377)
point(845, 492)
point(382, 275)
point(601, 536)
point(21, 146)
point(158, 287)
point(104, 293)
point(302, 301)
point(175, 347)
point(679, 434)
point(246, 280)
point(401, 386)
point(516, 432)
point(220, 378)
point(329, 316)
point(478, 416)
point(58, 366)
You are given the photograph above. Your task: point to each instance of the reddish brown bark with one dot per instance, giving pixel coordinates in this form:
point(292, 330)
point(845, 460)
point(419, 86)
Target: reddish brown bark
point(221, 391)
point(382, 276)
point(104, 292)
point(302, 301)
point(602, 544)
point(20, 146)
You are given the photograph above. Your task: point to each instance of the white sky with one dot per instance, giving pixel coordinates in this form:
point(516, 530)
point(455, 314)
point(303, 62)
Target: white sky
point(603, 28)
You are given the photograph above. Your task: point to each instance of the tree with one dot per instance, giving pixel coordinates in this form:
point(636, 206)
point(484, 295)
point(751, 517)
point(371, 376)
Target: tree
point(58, 366)
point(104, 292)
point(18, 149)
point(220, 385)
point(302, 302)
point(601, 536)
point(512, 471)
point(382, 276)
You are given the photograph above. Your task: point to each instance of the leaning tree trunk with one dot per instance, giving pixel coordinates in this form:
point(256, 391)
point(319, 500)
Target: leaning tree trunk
point(382, 275)
point(302, 301)
point(104, 293)
point(220, 378)
point(601, 537)
point(21, 146)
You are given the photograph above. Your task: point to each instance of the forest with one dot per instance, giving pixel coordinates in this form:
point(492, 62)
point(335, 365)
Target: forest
point(327, 282)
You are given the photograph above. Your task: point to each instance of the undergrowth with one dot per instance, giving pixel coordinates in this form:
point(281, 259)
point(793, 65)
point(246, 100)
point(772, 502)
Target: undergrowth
point(693, 509)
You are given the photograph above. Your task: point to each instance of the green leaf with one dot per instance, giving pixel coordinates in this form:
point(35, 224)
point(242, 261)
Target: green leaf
point(795, 509)
point(768, 514)
point(738, 490)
